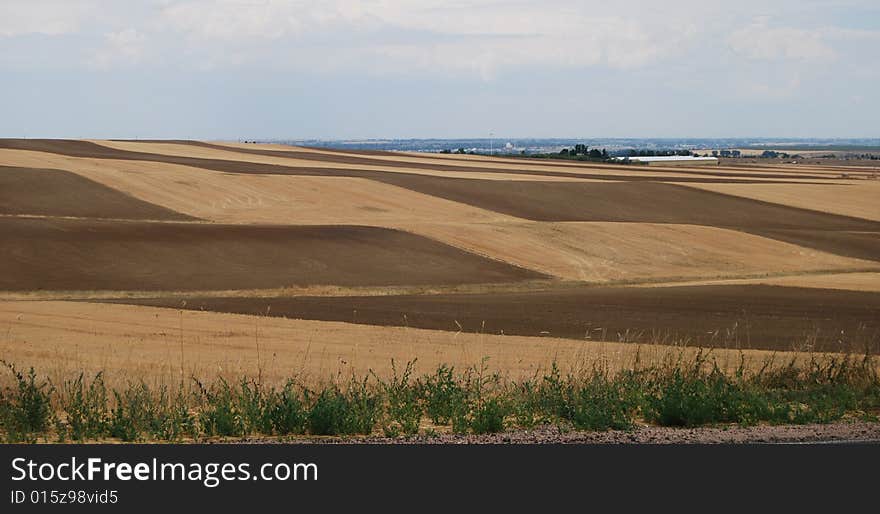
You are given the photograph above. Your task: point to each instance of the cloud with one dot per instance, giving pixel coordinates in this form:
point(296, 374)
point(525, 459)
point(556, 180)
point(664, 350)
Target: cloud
point(233, 19)
point(390, 36)
point(51, 18)
point(760, 41)
point(548, 66)
point(124, 47)
point(769, 88)
point(451, 38)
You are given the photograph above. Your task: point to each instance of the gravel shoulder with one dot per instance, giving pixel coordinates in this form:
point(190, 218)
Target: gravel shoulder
point(850, 432)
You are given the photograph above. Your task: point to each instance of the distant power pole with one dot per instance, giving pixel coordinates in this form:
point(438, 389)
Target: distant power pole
point(491, 148)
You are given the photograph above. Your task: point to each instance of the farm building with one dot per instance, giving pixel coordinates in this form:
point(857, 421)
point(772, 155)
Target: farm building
point(672, 160)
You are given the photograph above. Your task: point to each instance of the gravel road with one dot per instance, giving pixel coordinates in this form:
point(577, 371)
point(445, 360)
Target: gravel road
point(834, 433)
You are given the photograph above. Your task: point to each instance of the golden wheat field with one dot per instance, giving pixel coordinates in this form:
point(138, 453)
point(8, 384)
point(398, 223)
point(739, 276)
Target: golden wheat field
point(153, 259)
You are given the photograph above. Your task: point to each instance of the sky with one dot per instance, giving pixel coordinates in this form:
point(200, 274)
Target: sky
point(341, 69)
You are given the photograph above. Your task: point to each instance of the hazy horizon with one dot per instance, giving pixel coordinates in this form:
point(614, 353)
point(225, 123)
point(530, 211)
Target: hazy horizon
point(342, 70)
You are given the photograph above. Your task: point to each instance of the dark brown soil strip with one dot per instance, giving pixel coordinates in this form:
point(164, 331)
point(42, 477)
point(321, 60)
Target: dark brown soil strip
point(731, 316)
point(48, 192)
point(647, 202)
point(860, 245)
point(62, 254)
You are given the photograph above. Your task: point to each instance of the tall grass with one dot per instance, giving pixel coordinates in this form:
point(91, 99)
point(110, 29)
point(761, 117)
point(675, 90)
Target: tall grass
point(679, 391)
point(26, 411)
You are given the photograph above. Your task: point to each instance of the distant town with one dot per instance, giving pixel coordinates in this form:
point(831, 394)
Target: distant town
point(605, 148)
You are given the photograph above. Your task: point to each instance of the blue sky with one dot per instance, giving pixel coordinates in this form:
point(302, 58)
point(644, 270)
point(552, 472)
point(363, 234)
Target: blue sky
point(457, 68)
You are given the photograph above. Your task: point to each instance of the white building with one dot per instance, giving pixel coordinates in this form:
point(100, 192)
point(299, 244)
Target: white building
point(672, 160)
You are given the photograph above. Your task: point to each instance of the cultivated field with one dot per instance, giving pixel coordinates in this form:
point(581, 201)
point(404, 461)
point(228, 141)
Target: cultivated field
point(109, 247)
point(133, 343)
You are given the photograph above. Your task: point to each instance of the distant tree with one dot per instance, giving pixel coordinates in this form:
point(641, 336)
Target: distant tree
point(564, 152)
point(595, 154)
point(460, 150)
point(604, 154)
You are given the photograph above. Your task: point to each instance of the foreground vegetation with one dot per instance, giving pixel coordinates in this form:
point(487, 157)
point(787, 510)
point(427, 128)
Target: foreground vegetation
point(678, 392)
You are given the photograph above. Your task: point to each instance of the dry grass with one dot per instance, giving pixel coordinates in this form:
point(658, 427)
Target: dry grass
point(254, 198)
point(607, 252)
point(855, 281)
point(200, 152)
point(313, 290)
point(850, 281)
point(84, 165)
point(858, 198)
point(158, 345)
